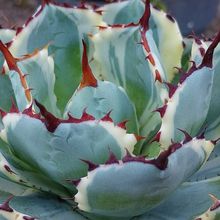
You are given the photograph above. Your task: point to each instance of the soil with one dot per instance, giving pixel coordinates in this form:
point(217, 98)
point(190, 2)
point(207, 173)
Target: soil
point(13, 13)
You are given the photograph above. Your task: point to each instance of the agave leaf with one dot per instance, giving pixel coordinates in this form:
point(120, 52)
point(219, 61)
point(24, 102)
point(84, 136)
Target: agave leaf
point(163, 25)
point(40, 77)
point(58, 153)
point(6, 92)
point(213, 120)
point(122, 12)
point(185, 110)
point(63, 29)
point(34, 179)
point(91, 216)
point(101, 100)
point(130, 13)
point(15, 170)
point(106, 189)
point(211, 168)
point(181, 206)
point(14, 188)
point(10, 180)
point(38, 206)
point(199, 48)
point(213, 213)
point(170, 42)
point(116, 44)
point(39, 84)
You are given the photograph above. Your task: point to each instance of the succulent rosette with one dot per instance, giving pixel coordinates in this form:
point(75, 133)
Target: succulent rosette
point(108, 113)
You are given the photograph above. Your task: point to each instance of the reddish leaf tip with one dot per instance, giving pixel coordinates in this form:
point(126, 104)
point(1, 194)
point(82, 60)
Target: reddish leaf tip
point(172, 88)
point(8, 169)
point(161, 110)
point(158, 76)
point(91, 165)
point(5, 206)
point(88, 78)
point(28, 218)
point(46, 2)
point(12, 65)
point(13, 108)
point(216, 203)
point(112, 158)
point(122, 124)
point(11, 61)
point(215, 141)
point(187, 136)
point(3, 113)
point(161, 161)
point(208, 57)
point(107, 117)
point(139, 138)
point(144, 21)
point(156, 137)
point(51, 122)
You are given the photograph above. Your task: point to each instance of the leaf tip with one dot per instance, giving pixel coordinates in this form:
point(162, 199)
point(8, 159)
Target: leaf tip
point(88, 79)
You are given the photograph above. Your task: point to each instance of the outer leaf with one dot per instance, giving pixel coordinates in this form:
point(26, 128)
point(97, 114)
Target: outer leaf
point(211, 168)
point(199, 47)
point(57, 155)
point(184, 109)
point(40, 206)
point(213, 213)
point(36, 179)
point(107, 189)
point(62, 28)
point(189, 201)
point(16, 170)
point(14, 188)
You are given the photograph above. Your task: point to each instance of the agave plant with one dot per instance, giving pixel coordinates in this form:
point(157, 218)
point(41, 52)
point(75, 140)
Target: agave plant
point(108, 113)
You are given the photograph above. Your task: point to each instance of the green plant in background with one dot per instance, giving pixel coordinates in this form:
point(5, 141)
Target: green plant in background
point(100, 121)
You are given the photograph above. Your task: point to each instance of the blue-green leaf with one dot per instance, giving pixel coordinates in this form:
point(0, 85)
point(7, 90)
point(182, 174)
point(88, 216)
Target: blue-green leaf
point(187, 203)
point(112, 62)
point(63, 28)
point(57, 154)
point(188, 106)
point(101, 100)
point(38, 206)
point(135, 185)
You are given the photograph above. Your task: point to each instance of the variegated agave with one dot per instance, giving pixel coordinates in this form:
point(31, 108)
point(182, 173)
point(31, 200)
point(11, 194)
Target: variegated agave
point(108, 113)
